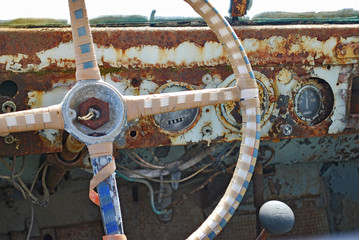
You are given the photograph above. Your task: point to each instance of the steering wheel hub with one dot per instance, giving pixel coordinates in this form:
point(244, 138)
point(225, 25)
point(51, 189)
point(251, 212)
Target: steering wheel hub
point(104, 98)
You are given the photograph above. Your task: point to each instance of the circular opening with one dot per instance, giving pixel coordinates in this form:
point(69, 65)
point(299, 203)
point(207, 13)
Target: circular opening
point(8, 88)
point(133, 133)
point(47, 237)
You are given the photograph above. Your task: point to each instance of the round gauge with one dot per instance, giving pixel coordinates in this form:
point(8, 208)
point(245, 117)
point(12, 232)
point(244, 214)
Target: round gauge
point(178, 121)
point(230, 112)
point(308, 103)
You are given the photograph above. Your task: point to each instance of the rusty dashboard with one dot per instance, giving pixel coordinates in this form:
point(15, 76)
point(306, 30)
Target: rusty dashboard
point(307, 77)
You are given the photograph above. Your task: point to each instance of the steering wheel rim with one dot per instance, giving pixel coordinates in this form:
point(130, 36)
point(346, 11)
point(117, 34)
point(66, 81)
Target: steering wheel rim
point(100, 148)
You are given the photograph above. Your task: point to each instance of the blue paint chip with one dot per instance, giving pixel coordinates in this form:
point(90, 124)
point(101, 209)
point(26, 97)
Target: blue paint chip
point(85, 48)
point(251, 169)
point(223, 223)
point(255, 153)
point(258, 135)
point(241, 47)
point(112, 228)
point(245, 184)
point(212, 235)
point(107, 207)
point(79, 14)
point(235, 37)
point(258, 119)
point(74, 0)
point(246, 60)
point(239, 198)
point(231, 210)
point(215, 10)
point(82, 31)
point(252, 75)
point(88, 65)
point(225, 22)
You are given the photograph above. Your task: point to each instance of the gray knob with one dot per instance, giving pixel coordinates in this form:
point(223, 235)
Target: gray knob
point(276, 217)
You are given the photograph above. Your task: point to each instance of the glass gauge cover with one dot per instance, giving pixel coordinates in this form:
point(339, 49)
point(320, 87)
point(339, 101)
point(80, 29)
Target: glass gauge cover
point(308, 103)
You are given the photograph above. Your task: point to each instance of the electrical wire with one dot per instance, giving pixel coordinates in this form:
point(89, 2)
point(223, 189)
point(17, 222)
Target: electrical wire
point(150, 189)
point(31, 221)
point(17, 174)
point(165, 181)
point(147, 164)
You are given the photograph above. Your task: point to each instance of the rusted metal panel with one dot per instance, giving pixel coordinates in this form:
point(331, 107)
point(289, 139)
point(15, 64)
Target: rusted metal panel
point(141, 60)
point(25, 50)
point(239, 8)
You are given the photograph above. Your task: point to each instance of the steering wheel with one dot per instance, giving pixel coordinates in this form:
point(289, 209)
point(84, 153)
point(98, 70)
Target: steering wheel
point(95, 113)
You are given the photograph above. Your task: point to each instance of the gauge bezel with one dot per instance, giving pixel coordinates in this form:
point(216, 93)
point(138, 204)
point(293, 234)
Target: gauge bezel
point(191, 124)
point(297, 98)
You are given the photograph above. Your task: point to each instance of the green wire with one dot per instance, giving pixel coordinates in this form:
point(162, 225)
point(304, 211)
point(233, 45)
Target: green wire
point(154, 209)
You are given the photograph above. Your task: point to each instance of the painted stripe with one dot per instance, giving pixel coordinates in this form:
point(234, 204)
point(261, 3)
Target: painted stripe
point(220, 211)
point(258, 135)
point(11, 121)
point(198, 97)
point(205, 8)
point(249, 93)
point(246, 158)
point(228, 95)
point(148, 103)
point(242, 69)
point(223, 223)
point(215, 19)
point(223, 32)
point(249, 141)
point(251, 125)
point(255, 152)
point(258, 119)
point(211, 235)
point(231, 44)
point(251, 111)
point(46, 117)
point(241, 173)
point(236, 187)
point(181, 99)
point(30, 119)
point(213, 96)
point(165, 102)
point(237, 56)
point(229, 200)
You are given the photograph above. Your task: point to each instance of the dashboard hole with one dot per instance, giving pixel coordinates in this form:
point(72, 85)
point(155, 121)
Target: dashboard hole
point(8, 88)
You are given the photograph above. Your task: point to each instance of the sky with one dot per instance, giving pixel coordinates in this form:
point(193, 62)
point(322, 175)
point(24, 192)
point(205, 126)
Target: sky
point(58, 9)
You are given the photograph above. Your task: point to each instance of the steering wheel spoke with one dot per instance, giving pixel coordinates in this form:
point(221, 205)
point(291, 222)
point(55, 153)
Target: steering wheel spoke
point(31, 120)
point(145, 105)
point(85, 57)
point(103, 165)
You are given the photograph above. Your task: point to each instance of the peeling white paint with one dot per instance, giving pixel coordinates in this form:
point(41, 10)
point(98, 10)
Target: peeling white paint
point(339, 108)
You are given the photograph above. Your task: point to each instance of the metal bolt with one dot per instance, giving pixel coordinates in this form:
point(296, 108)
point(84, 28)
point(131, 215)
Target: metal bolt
point(286, 129)
point(9, 139)
point(343, 52)
point(8, 106)
point(100, 110)
point(207, 130)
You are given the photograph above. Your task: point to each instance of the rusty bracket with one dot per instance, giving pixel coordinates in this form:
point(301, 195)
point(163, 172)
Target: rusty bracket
point(239, 7)
point(349, 50)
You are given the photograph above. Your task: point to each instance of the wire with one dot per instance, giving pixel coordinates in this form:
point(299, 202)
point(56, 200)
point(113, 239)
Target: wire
point(143, 161)
point(17, 174)
point(165, 181)
point(31, 221)
point(154, 209)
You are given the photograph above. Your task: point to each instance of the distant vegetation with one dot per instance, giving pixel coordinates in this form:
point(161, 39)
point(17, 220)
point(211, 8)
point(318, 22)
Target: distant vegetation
point(33, 22)
point(119, 19)
point(343, 14)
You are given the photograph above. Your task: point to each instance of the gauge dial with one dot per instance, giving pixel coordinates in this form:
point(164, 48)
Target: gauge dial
point(178, 121)
point(231, 111)
point(308, 102)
